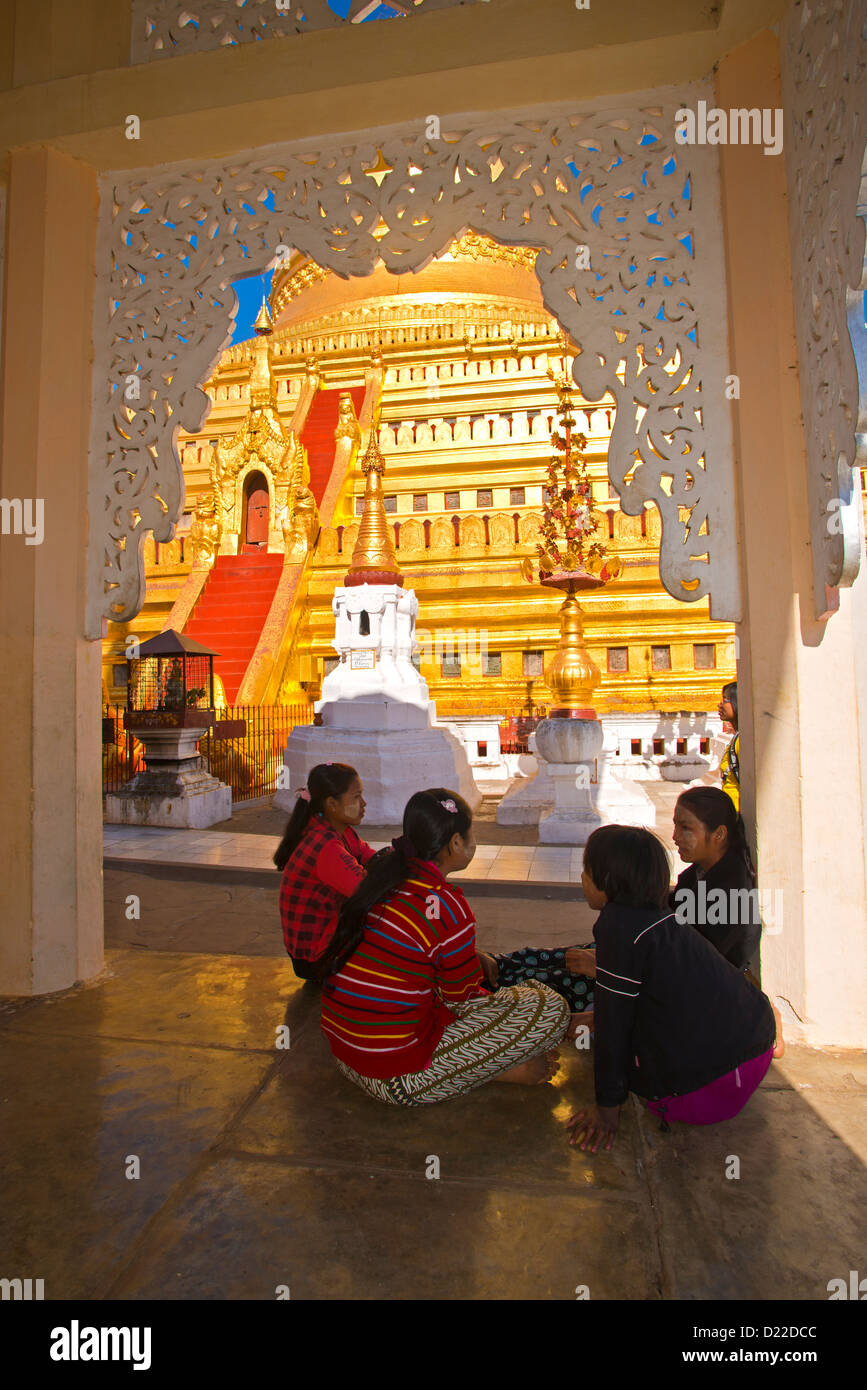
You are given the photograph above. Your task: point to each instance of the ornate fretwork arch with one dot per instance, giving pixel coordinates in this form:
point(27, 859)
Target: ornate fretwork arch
point(825, 94)
point(648, 316)
point(162, 28)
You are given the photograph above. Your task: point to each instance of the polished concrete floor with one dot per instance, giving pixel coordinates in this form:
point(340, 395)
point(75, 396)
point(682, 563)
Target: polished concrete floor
point(261, 1166)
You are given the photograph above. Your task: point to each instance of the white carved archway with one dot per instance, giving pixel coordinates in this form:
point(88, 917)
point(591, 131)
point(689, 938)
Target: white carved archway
point(825, 95)
point(163, 28)
point(649, 315)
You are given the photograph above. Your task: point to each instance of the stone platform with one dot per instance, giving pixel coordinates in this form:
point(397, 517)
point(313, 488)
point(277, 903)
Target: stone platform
point(263, 1167)
point(247, 858)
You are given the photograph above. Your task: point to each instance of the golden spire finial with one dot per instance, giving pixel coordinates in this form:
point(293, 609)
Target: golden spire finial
point(263, 322)
point(263, 388)
point(374, 560)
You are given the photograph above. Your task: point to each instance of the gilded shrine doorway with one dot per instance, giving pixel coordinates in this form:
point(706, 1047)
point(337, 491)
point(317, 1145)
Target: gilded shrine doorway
point(256, 511)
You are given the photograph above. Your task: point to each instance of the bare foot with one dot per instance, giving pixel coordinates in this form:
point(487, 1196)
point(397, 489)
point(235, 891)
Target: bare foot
point(553, 1060)
point(779, 1044)
point(533, 1073)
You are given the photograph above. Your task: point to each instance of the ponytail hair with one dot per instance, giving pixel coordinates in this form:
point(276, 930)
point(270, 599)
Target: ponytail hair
point(324, 780)
point(714, 807)
point(428, 825)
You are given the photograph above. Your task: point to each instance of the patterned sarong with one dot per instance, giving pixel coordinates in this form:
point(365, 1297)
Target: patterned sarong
point(548, 966)
point(488, 1037)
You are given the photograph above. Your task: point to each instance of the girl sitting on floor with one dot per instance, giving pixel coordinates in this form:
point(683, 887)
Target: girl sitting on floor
point(711, 839)
point(402, 1003)
point(675, 1022)
point(322, 860)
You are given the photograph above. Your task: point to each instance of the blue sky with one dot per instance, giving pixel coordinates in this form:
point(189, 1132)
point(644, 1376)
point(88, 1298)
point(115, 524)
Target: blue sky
point(249, 294)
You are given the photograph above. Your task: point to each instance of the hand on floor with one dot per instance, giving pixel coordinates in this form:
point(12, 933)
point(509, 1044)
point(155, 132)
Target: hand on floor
point(594, 1127)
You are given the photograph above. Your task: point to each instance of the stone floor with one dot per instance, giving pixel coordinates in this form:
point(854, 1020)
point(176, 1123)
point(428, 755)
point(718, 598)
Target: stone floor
point(262, 1166)
point(224, 850)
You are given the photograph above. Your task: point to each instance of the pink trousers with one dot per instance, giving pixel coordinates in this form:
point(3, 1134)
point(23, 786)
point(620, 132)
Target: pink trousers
point(720, 1100)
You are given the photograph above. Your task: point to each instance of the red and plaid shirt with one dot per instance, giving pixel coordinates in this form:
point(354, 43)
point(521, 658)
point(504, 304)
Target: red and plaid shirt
point(323, 870)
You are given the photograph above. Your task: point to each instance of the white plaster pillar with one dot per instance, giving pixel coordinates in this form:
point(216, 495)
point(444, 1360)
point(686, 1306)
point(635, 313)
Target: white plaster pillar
point(802, 684)
point(50, 676)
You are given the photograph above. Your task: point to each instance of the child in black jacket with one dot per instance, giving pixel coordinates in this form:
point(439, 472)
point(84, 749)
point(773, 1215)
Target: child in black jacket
point(675, 1022)
point(716, 894)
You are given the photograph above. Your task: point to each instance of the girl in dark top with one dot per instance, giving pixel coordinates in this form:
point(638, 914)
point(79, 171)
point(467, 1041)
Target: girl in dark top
point(717, 893)
point(322, 859)
point(675, 1022)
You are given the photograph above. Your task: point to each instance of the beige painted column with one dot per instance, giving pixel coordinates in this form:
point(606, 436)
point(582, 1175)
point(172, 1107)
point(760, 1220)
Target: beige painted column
point(50, 681)
point(802, 690)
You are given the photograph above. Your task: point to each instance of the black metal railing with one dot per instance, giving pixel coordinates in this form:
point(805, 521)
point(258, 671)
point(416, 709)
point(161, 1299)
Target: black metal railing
point(243, 748)
point(121, 750)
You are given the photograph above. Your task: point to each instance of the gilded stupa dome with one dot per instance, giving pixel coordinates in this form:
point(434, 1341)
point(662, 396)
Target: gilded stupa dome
point(474, 269)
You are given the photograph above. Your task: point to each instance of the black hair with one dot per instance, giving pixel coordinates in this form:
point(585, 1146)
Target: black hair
point(629, 865)
point(324, 780)
point(714, 807)
point(730, 694)
point(428, 825)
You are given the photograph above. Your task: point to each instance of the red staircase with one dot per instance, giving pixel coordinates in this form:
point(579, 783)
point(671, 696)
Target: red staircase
point(318, 435)
point(231, 612)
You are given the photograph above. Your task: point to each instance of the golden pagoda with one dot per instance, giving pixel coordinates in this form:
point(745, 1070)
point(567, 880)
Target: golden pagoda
point(453, 373)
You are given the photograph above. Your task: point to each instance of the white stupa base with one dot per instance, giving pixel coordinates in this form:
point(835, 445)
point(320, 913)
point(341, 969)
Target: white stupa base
point(392, 762)
point(374, 714)
point(573, 818)
point(527, 801)
point(395, 680)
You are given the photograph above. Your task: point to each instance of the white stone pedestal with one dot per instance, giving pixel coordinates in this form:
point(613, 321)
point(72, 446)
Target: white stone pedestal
point(573, 819)
point(617, 800)
point(526, 802)
point(174, 789)
point(571, 748)
point(392, 762)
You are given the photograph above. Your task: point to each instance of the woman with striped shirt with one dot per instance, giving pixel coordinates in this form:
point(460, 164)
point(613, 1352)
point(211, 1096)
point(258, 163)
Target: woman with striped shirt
point(403, 1006)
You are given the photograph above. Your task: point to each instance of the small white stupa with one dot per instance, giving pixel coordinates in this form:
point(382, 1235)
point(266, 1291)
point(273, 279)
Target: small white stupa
point(377, 714)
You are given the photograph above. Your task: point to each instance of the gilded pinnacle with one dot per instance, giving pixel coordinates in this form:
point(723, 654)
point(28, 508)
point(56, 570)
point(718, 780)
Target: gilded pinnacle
point(373, 459)
point(263, 322)
point(374, 559)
